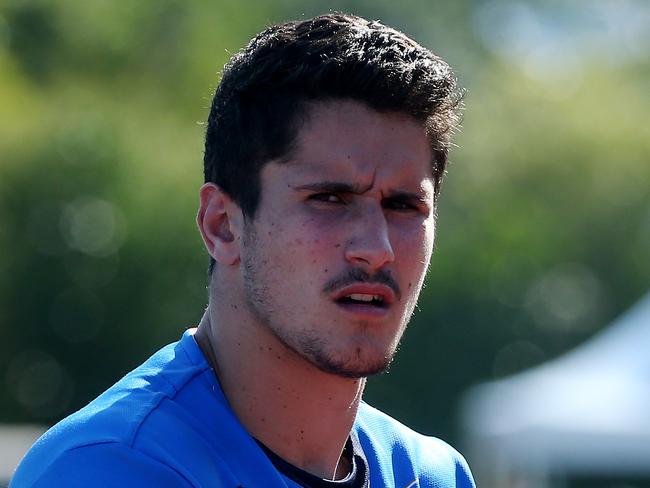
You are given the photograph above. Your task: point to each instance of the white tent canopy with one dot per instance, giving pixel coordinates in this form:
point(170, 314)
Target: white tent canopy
point(15, 440)
point(585, 412)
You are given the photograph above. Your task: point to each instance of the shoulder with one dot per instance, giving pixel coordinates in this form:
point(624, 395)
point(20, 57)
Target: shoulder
point(107, 464)
point(119, 428)
point(400, 456)
point(120, 413)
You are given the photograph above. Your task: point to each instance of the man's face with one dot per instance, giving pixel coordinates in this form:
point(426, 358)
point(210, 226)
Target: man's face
point(336, 255)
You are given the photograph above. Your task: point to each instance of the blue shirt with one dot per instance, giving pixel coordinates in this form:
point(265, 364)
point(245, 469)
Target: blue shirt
point(168, 424)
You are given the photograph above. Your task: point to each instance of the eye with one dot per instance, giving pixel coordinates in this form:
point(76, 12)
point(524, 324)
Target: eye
point(326, 198)
point(400, 205)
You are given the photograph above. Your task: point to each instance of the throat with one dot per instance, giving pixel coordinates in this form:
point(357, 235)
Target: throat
point(344, 467)
point(351, 469)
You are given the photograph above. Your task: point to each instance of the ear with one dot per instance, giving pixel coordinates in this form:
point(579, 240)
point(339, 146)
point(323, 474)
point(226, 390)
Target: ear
point(220, 222)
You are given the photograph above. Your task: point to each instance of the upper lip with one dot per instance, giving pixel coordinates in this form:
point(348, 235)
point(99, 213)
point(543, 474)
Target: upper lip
point(387, 295)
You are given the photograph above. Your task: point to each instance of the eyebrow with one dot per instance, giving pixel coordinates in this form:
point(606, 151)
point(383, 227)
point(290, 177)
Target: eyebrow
point(334, 187)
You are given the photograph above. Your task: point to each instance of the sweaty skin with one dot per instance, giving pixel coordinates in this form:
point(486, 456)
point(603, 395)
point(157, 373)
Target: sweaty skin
point(349, 214)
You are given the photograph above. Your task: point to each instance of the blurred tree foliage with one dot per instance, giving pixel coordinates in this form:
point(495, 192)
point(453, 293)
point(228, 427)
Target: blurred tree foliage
point(544, 228)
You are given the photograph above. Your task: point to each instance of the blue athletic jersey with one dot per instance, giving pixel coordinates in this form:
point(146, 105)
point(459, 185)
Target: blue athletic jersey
point(167, 424)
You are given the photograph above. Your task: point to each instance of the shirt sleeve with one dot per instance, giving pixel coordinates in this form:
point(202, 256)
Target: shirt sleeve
point(105, 465)
point(464, 478)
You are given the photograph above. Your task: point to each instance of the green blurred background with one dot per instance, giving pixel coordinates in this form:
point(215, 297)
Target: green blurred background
point(544, 221)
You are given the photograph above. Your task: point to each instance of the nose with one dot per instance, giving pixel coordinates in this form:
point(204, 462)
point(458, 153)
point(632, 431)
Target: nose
point(369, 244)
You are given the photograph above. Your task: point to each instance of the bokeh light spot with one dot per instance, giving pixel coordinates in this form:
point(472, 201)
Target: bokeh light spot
point(93, 226)
point(516, 356)
point(37, 381)
point(565, 298)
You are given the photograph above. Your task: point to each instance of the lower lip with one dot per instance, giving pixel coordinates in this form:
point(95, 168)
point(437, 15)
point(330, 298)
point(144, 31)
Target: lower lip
point(364, 311)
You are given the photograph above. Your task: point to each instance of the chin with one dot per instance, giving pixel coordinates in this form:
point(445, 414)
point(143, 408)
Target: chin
point(357, 373)
point(356, 365)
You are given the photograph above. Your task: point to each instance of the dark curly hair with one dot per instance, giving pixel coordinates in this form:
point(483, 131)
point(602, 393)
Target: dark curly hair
point(266, 88)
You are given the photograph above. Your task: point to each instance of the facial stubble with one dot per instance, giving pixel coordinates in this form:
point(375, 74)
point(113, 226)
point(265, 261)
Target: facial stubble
point(308, 344)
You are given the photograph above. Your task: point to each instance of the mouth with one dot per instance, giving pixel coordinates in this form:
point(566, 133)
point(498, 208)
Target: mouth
point(367, 300)
point(363, 299)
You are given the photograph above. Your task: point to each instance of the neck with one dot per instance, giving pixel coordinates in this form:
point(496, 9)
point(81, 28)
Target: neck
point(299, 412)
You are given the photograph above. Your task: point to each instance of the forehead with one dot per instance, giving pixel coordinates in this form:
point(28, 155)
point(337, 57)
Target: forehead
point(346, 139)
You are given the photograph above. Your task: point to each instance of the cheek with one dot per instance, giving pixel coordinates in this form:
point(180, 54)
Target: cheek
point(319, 228)
point(305, 245)
point(429, 229)
point(412, 239)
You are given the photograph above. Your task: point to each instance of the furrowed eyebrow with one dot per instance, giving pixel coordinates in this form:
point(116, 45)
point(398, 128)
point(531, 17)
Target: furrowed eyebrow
point(333, 187)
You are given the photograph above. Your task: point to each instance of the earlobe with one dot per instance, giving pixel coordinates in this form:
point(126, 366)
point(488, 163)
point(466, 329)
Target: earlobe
point(219, 220)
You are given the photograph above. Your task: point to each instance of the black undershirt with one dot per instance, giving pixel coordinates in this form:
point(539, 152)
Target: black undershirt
point(357, 478)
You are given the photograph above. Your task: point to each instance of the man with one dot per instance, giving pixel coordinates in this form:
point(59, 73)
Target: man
point(325, 149)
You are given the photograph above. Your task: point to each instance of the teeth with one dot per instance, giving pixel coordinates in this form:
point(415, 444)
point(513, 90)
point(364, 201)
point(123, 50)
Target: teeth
point(364, 298)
